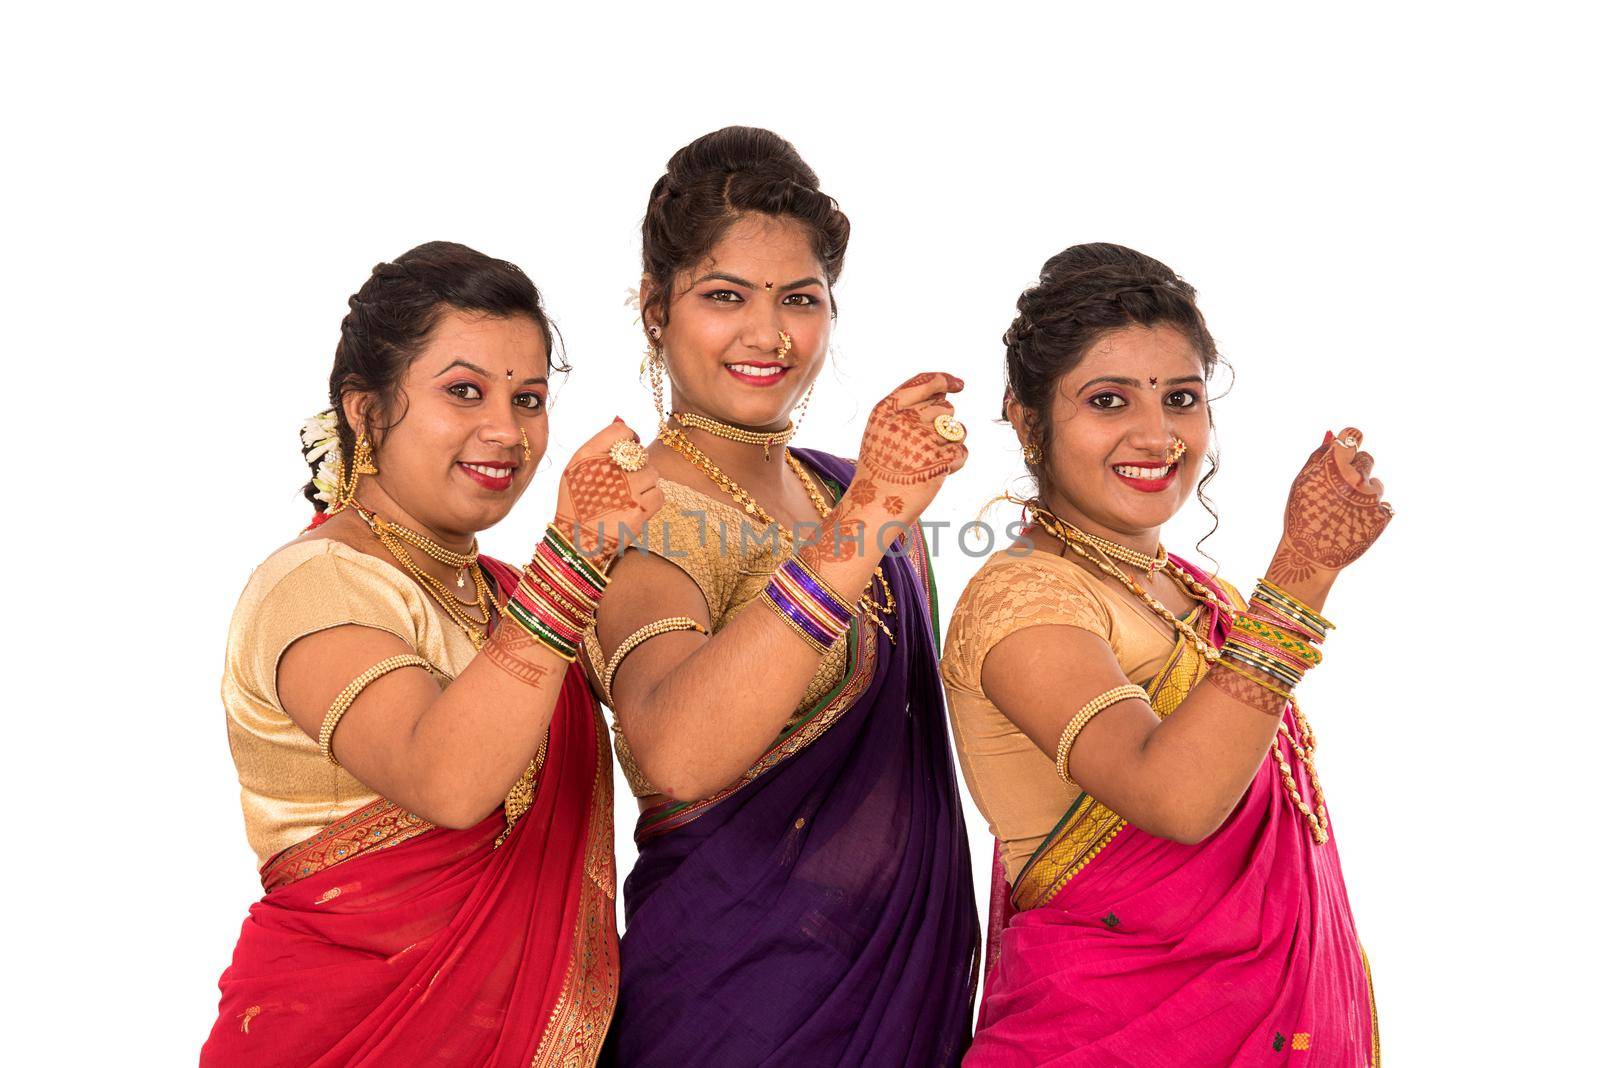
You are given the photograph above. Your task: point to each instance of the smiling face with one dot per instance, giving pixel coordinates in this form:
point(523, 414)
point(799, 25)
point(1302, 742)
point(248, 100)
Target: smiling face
point(1114, 418)
point(454, 462)
point(723, 338)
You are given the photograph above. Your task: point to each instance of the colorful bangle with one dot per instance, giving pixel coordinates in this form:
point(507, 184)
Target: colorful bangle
point(558, 595)
point(1253, 677)
point(1260, 630)
point(1074, 727)
point(1262, 662)
point(1292, 607)
point(807, 604)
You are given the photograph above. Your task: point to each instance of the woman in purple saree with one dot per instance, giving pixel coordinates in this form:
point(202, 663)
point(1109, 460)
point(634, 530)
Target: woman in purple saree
point(803, 890)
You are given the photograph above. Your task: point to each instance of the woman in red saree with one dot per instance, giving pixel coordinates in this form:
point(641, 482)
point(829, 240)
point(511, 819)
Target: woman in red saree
point(425, 782)
point(1168, 888)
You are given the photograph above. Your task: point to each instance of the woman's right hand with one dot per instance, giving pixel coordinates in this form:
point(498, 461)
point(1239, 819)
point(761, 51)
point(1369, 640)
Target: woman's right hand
point(903, 459)
point(598, 498)
point(1336, 511)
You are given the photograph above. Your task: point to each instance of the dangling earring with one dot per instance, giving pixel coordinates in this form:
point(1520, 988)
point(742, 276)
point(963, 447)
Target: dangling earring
point(1031, 453)
point(527, 450)
point(361, 463)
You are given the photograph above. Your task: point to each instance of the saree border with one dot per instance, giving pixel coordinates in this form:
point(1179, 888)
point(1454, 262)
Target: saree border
point(376, 825)
point(1089, 826)
point(576, 1028)
point(862, 659)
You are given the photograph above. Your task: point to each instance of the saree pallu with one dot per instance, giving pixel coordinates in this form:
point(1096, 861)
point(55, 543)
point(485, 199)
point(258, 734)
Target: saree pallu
point(385, 941)
point(1130, 949)
point(818, 912)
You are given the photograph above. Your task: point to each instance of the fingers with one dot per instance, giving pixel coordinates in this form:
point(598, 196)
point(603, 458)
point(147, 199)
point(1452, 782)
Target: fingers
point(613, 432)
point(926, 386)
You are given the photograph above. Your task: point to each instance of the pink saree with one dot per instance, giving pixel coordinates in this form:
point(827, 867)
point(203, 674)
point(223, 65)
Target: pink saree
point(383, 940)
point(1116, 947)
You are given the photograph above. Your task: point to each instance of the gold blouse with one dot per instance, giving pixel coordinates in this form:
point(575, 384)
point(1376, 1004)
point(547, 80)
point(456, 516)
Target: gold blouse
point(288, 790)
point(1012, 781)
point(731, 559)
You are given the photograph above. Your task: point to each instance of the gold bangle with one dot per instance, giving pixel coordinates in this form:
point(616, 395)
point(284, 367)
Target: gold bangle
point(1253, 677)
point(1074, 727)
point(347, 696)
point(638, 638)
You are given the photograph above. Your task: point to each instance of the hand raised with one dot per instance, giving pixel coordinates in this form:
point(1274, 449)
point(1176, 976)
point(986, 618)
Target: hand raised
point(904, 459)
point(1335, 512)
point(597, 498)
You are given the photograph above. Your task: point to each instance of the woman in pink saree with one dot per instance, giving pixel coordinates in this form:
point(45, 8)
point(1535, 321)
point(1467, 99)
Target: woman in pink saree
point(425, 782)
point(1167, 883)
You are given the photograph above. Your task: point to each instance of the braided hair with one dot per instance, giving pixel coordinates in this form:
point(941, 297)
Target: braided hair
point(714, 180)
point(393, 313)
point(1083, 293)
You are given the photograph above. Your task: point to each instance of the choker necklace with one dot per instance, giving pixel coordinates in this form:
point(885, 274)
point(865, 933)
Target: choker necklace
point(765, 438)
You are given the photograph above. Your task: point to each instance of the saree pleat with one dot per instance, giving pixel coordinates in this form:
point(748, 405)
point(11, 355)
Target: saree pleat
point(821, 913)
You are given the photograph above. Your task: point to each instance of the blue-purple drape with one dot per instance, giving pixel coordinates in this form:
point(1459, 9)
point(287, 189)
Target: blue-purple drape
point(823, 913)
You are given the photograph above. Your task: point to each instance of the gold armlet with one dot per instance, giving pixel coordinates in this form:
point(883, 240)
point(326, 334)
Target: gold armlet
point(347, 696)
point(638, 638)
point(1075, 725)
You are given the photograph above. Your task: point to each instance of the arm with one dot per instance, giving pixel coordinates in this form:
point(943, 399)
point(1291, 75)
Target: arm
point(450, 755)
point(699, 711)
point(1179, 778)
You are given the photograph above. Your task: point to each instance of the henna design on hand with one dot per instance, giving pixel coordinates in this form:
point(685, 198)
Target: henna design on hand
point(862, 489)
point(837, 542)
point(1242, 689)
point(894, 505)
point(1328, 523)
point(596, 488)
point(505, 648)
point(900, 448)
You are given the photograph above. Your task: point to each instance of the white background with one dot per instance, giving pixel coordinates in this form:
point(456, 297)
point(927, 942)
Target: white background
point(1388, 212)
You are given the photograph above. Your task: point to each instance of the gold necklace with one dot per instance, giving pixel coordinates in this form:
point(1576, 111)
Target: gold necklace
point(1052, 523)
point(461, 562)
point(870, 607)
point(1148, 564)
point(389, 536)
point(1318, 819)
point(766, 439)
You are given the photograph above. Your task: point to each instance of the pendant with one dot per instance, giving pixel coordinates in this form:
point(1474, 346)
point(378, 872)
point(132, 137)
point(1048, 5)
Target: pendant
point(461, 579)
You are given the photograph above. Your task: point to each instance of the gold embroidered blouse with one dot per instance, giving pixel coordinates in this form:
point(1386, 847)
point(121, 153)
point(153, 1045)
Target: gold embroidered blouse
point(1012, 781)
point(288, 790)
point(731, 559)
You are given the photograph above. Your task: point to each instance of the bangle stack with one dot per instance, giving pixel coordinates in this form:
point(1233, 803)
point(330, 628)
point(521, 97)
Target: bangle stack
point(558, 595)
point(1276, 639)
point(806, 603)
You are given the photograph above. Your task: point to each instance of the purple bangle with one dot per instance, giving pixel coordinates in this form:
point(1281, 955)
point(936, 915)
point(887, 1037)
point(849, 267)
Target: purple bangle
point(825, 598)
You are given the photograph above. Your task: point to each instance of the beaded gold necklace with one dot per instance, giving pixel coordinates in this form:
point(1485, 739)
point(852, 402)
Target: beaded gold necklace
point(393, 537)
point(765, 438)
point(871, 608)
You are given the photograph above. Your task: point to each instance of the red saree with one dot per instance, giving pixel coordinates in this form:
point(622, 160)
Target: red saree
point(385, 941)
point(1120, 948)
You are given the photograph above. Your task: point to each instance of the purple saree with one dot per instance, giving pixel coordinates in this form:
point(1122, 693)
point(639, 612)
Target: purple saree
point(819, 911)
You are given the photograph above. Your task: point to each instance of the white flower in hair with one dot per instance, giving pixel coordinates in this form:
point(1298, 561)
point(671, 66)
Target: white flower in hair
point(319, 441)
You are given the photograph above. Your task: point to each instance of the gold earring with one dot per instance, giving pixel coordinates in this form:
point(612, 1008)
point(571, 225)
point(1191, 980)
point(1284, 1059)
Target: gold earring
point(527, 450)
point(361, 463)
point(1031, 453)
point(658, 368)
